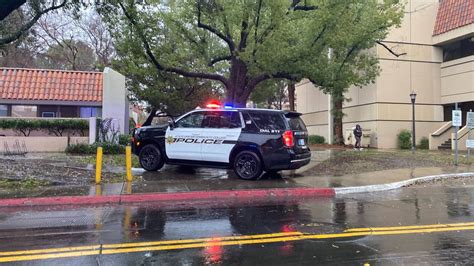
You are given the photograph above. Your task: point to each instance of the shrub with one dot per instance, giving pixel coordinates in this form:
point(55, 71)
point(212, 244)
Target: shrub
point(25, 126)
point(53, 126)
point(424, 143)
point(111, 148)
point(316, 139)
point(124, 139)
point(404, 139)
point(107, 148)
point(81, 149)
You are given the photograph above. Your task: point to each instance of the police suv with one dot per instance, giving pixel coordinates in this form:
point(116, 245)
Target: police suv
point(249, 141)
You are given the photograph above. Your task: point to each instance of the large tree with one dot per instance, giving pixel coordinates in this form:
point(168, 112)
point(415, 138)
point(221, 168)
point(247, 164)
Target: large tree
point(240, 44)
point(33, 10)
point(271, 94)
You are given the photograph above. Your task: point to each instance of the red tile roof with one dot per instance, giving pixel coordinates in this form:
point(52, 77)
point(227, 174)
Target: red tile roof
point(453, 14)
point(50, 85)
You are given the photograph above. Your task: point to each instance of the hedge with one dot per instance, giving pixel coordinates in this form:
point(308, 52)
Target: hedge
point(53, 126)
point(107, 148)
point(316, 139)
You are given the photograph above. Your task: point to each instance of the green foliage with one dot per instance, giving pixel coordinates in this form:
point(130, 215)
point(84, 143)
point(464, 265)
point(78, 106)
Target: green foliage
point(107, 148)
point(23, 184)
point(316, 139)
point(404, 139)
point(270, 94)
point(124, 139)
point(424, 143)
point(238, 44)
point(53, 126)
point(81, 148)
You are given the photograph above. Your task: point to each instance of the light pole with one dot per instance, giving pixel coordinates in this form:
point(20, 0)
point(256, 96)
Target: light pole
point(413, 98)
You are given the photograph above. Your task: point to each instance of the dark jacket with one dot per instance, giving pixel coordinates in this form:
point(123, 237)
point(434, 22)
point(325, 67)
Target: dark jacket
point(358, 131)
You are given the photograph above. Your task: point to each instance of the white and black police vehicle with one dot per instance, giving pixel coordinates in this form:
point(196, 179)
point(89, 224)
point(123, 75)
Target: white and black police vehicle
point(249, 141)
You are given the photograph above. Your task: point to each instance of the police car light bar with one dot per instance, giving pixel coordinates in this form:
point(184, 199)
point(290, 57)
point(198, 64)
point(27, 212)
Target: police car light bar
point(214, 104)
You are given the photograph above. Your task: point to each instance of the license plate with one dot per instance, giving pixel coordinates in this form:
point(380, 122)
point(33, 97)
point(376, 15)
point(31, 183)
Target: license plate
point(301, 142)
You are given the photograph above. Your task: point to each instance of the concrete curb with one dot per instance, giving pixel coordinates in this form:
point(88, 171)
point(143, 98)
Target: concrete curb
point(248, 194)
point(390, 186)
point(255, 194)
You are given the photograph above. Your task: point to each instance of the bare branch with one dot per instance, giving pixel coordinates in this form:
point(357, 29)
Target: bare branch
point(219, 59)
point(278, 75)
point(390, 50)
point(157, 64)
point(219, 34)
point(9, 6)
point(257, 23)
point(295, 6)
point(23, 29)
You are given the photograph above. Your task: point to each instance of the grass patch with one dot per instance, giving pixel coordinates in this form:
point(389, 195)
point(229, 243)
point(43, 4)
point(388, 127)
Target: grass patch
point(355, 162)
point(111, 160)
point(26, 184)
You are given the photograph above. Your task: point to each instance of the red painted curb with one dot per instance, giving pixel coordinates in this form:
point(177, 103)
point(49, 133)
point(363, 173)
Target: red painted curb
point(276, 193)
point(65, 200)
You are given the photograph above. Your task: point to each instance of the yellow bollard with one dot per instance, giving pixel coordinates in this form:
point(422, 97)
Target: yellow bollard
point(128, 163)
point(128, 189)
point(98, 166)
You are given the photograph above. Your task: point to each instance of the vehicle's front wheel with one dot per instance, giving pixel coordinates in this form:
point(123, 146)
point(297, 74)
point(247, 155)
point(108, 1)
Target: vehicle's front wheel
point(151, 158)
point(247, 165)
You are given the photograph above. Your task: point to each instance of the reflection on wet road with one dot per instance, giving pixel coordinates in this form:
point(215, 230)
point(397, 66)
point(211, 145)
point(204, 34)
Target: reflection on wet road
point(415, 225)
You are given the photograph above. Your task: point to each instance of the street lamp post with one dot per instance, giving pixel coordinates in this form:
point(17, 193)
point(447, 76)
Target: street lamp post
point(413, 98)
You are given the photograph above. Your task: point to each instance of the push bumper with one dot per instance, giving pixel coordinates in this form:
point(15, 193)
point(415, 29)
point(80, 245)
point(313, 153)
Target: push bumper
point(300, 160)
point(286, 160)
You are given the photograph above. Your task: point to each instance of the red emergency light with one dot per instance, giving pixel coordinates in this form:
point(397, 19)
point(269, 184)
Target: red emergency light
point(213, 104)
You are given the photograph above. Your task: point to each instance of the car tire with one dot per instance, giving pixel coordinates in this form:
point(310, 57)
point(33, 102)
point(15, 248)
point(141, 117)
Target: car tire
point(151, 158)
point(247, 165)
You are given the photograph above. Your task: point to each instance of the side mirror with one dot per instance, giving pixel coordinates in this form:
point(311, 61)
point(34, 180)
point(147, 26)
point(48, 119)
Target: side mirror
point(171, 124)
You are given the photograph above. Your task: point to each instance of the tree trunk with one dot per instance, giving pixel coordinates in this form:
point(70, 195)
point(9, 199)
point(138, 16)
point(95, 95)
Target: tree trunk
point(291, 95)
point(237, 91)
point(338, 115)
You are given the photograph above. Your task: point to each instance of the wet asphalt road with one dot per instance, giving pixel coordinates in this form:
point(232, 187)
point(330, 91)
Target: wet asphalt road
point(265, 233)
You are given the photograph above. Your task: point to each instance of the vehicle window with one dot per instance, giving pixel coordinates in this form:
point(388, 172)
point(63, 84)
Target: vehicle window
point(267, 120)
point(192, 120)
point(159, 120)
point(222, 120)
point(296, 123)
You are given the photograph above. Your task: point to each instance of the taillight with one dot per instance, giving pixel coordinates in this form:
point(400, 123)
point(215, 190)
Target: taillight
point(288, 139)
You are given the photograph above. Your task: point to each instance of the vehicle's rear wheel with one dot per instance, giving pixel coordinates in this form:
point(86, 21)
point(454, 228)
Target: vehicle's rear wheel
point(247, 165)
point(151, 158)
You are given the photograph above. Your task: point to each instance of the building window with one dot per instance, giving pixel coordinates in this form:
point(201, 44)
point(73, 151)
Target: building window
point(48, 114)
point(87, 112)
point(24, 111)
point(3, 110)
point(459, 49)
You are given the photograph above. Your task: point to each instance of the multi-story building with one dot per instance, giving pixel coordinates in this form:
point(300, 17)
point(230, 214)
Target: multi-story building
point(436, 39)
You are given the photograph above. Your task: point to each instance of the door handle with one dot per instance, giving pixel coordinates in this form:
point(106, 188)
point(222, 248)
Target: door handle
point(196, 134)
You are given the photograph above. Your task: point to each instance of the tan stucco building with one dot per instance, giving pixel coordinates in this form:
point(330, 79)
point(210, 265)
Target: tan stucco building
point(438, 39)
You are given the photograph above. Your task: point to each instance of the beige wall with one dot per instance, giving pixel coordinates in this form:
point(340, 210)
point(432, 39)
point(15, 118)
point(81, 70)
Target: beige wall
point(384, 107)
point(114, 100)
point(457, 80)
point(40, 144)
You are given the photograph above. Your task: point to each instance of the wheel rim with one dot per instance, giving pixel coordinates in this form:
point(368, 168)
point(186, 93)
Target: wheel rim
point(247, 166)
point(149, 158)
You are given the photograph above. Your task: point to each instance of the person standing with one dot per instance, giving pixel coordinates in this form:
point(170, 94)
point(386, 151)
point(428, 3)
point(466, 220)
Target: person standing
point(358, 135)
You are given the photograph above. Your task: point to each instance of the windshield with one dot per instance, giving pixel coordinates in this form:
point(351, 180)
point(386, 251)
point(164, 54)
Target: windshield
point(296, 123)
